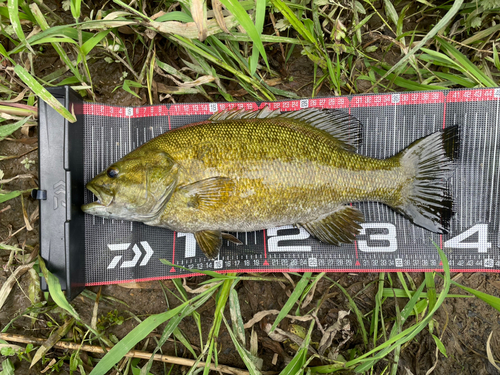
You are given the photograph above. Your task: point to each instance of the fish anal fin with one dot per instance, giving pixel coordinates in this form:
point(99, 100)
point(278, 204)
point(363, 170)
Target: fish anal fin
point(209, 192)
point(210, 242)
point(340, 226)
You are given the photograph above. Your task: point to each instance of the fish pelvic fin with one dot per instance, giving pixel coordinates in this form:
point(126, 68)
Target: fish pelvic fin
point(426, 199)
point(340, 226)
point(210, 242)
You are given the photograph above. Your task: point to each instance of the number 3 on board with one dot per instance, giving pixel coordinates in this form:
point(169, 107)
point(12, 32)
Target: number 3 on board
point(482, 245)
point(387, 242)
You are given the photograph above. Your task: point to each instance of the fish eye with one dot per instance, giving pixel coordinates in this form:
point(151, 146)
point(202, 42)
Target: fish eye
point(112, 172)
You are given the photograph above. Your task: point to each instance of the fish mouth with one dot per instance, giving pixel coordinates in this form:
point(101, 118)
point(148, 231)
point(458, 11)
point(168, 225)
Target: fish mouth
point(104, 199)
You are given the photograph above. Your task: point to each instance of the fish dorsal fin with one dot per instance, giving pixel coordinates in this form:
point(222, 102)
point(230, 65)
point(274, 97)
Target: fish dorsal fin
point(209, 241)
point(208, 192)
point(239, 114)
point(340, 226)
point(344, 128)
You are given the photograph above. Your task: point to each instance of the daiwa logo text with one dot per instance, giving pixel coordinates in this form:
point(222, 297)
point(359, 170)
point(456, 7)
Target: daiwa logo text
point(137, 254)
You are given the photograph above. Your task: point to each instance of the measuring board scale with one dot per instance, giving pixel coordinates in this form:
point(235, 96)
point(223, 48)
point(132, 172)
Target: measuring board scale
point(119, 251)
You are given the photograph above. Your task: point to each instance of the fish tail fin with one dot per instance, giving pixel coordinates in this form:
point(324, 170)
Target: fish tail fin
point(426, 200)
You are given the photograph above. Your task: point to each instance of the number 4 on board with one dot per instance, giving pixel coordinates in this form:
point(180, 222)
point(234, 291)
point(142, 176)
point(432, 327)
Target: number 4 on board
point(482, 245)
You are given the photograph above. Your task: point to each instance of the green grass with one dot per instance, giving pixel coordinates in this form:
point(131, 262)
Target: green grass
point(349, 46)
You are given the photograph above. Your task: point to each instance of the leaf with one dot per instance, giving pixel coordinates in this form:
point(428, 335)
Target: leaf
point(8, 247)
point(175, 16)
point(489, 299)
point(489, 353)
point(409, 333)
point(13, 8)
point(92, 42)
point(391, 11)
point(6, 130)
point(359, 7)
point(236, 317)
point(55, 290)
point(439, 344)
point(12, 280)
point(128, 83)
point(42, 93)
point(76, 6)
point(199, 13)
point(260, 14)
point(297, 292)
point(52, 340)
point(496, 59)
point(184, 341)
point(8, 367)
point(6, 197)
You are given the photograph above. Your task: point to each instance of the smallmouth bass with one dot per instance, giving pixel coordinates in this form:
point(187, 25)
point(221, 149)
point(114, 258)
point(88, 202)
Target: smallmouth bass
point(243, 171)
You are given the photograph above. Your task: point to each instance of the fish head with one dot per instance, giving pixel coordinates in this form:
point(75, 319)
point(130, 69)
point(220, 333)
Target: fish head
point(136, 188)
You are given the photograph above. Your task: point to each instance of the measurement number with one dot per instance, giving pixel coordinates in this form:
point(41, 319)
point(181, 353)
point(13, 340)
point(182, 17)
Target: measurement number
point(274, 239)
point(387, 242)
point(482, 245)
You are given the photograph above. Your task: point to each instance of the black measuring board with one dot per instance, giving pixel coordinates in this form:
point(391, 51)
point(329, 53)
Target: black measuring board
point(121, 251)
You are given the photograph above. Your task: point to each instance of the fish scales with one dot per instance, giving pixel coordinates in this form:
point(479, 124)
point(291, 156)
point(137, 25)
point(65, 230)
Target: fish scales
point(281, 175)
point(244, 171)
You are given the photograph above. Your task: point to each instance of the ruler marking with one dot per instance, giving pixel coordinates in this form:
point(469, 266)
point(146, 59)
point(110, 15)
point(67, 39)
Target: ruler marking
point(494, 175)
point(483, 165)
point(475, 173)
point(494, 159)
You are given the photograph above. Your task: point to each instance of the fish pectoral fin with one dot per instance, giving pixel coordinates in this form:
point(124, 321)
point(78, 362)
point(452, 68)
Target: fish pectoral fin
point(209, 192)
point(231, 238)
point(340, 226)
point(210, 242)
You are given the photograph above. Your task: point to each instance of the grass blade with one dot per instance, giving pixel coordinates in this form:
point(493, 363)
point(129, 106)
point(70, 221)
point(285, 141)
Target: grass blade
point(55, 290)
point(489, 299)
point(358, 313)
point(236, 317)
point(292, 18)
point(245, 355)
point(296, 365)
point(6, 130)
point(468, 67)
point(142, 330)
point(13, 8)
point(244, 19)
point(455, 8)
point(42, 93)
point(260, 14)
point(297, 292)
point(406, 83)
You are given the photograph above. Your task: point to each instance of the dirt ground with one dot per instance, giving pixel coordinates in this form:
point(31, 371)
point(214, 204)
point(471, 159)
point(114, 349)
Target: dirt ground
point(466, 322)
